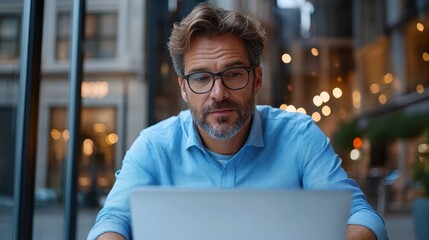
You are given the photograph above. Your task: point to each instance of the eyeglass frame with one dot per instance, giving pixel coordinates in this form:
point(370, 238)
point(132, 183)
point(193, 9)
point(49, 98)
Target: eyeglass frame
point(220, 74)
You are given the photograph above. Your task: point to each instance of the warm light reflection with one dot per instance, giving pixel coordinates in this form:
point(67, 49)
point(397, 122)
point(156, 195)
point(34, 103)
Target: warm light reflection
point(55, 134)
point(420, 88)
point(343, 113)
point(98, 89)
point(103, 181)
point(387, 78)
point(317, 100)
point(356, 99)
point(165, 68)
point(420, 27)
point(326, 110)
point(88, 147)
point(66, 135)
point(84, 181)
point(337, 92)
point(315, 52)
point(291, 108)
point(301, 110)
point(374, 88)
point(99, 127)
point(325, 96)
point(423, 148)
point(316, 116)
point(283, 106)
point(382, 99)
point(112, 138)
point(355, 154)
point(286, 58)
point(425, 57)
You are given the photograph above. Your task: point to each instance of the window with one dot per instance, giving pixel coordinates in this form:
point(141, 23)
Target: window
point(100, 36)
point(417, 55)
point(98, 131)
point(9, 37)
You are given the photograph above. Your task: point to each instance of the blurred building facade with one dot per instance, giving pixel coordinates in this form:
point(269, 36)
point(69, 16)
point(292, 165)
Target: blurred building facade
point(390, 91)
point(128, 84)
point(114, 91)
point(360, 69)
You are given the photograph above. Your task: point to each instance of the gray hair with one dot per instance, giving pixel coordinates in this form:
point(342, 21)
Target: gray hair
point(206, 19)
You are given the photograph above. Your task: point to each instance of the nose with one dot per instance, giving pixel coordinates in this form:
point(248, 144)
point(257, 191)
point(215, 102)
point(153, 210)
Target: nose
point(219, 91)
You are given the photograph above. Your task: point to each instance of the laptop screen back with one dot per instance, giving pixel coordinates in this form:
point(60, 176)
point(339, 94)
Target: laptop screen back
point(195, 214)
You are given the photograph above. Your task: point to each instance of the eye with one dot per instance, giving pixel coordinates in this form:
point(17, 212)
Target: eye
point(235, 73)
point(200, 78)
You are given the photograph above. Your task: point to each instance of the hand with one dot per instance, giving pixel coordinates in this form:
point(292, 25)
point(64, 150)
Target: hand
point(358, 232)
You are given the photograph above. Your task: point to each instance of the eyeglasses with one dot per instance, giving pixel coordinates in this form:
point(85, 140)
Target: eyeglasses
point(234, 78)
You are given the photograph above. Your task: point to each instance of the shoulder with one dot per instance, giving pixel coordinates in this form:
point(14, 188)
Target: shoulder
point(171, 123)
point(275, 118)
point(169, 129)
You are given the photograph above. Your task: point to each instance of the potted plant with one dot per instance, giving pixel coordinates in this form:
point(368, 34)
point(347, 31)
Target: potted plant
point(421, 178)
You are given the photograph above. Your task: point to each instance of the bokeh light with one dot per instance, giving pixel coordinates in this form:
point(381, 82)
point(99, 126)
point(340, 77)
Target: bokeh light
point(286, 58)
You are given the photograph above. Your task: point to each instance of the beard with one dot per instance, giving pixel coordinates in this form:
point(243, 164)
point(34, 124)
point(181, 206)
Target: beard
point(222, 129)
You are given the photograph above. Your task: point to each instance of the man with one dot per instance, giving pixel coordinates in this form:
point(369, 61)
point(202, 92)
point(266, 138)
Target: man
point(224, 140)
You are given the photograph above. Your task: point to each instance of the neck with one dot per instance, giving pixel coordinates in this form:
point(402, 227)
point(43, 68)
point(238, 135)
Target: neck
point(228, 146)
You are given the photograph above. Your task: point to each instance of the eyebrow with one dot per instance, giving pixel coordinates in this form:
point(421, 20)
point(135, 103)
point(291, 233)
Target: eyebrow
point(229, 65)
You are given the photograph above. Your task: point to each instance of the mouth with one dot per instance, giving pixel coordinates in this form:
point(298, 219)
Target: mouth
point(222, 111)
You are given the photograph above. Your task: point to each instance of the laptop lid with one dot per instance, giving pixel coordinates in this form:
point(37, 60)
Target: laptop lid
point(209, 214)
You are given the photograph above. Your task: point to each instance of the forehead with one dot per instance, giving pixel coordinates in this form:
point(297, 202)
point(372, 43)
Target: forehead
point(214, 52)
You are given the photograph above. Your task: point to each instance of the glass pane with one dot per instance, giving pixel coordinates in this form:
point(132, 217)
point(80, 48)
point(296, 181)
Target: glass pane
point(375, 65)
point(417, 49)
point(9, 38)
point(91, 26)
point(98, 153)
point(91, 48)
point(8, 50)
point(107, 49)
point(9, 91)
point(9, 27)
point(108, 25)
point(100, 36)
point(9, 84)
point(64, 25)
point(63, 37)
point(63, 48)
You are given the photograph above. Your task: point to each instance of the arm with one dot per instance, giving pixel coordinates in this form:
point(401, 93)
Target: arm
point(137, 170)
point(358, 232)
point(110, 236)
point(323, 170)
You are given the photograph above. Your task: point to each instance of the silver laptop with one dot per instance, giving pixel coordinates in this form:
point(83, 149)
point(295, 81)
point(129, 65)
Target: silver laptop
point(203, 214)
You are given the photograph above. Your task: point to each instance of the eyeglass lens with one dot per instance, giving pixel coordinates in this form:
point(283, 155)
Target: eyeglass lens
point(233, 78)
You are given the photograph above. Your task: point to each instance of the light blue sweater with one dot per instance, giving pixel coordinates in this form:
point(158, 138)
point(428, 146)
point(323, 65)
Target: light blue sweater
point(284, 150)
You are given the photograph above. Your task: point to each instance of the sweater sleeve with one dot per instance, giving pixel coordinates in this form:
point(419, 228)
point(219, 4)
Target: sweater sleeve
point(321, 169)
point(138, 169)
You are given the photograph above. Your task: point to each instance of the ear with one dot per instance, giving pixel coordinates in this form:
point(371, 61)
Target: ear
point(258, 78)
point(182, 84)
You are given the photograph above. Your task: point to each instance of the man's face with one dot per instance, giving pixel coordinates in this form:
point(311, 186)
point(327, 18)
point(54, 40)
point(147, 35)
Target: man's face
point(221, 112)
